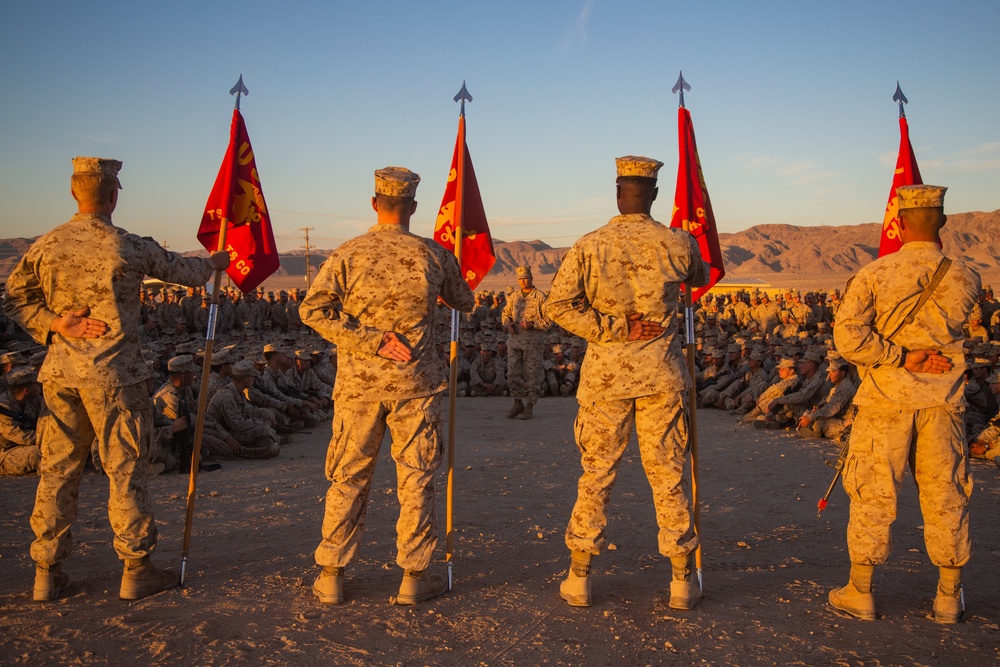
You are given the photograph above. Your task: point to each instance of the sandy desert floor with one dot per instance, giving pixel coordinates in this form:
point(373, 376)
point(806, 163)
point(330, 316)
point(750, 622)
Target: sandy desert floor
point(768, 565)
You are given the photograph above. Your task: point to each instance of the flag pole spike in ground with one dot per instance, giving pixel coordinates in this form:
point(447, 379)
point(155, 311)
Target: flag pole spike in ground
point(239, 89)
point(680, 87)
point(901, 99)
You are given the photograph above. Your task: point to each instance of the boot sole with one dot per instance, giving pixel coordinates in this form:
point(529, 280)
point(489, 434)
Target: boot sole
point(417, 599)
point(328, 599)
point(131, 595)
point(684, 604)
point(575, 600)
point(47, 595)
point(862, 614)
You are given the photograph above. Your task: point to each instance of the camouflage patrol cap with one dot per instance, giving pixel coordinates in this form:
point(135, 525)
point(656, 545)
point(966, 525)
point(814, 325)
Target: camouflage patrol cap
point(636, 165)
point(993, 379)
point(488, 346)
point(20, 375)
point(396, 182)
point(182, 363)
point(976, 313)
point(37, 358)
point(244, 369)
point(978, 362)
point(269, 348)
point(757, 355)
point(523, 272)
point(98, 165)
point(303, 355)
point(10, 357)
point(718, 353)
point(813, 357)
point(836, 364)
point(786, 362)
point(921, 196)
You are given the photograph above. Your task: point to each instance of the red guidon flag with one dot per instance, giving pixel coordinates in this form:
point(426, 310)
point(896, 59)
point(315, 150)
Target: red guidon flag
point(237, 202)
point(907, 173)
point(477, 256)
point(692, 207)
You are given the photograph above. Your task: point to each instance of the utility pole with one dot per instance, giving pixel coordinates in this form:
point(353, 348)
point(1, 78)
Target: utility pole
point(306, 246)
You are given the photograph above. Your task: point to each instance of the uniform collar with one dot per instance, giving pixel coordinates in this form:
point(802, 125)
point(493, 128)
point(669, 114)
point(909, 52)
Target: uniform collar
point(631, 217)
point(93, 216)
point(389, 229)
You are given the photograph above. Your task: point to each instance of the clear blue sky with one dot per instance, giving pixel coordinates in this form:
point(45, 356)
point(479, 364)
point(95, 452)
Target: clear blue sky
point(791, 101)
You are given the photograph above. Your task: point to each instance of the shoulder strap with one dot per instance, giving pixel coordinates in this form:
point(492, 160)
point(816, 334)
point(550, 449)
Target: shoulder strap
point(931, 286)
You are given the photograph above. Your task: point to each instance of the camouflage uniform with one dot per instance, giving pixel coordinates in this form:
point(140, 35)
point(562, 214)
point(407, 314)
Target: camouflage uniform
point(525, 347)
point(172, 403)
point(93, 387)
point(19, 453)
point(634, 264)
point(246, 423)
point(386, 280)
point(905, 416)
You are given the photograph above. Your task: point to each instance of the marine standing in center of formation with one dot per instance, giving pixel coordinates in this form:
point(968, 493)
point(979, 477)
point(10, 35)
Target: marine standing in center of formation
point(375, 298)
point(618, 288)
point(526, 324)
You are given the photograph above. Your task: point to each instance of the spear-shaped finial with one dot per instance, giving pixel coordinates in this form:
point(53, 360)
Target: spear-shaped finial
point(239, 89)
point(901, 99)
point(463, 96)
point(680, 87)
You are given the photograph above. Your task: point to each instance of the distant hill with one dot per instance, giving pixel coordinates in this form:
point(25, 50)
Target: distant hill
point(778, 253)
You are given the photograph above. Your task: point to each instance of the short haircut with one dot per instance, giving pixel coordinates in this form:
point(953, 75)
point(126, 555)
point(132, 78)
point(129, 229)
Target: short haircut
point(637, 182)
point(927, 219)
point(394, 204)
point(93, 188)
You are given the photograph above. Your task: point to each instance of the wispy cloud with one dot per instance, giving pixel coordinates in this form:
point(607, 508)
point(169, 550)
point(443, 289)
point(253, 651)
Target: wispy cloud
point(576, 33)
point(100, 137)
point(983, 157)
point(795, 172)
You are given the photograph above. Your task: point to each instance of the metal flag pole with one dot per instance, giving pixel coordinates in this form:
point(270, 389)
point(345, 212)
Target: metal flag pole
point(463, 96)
point(206, 369)
point(680, 87)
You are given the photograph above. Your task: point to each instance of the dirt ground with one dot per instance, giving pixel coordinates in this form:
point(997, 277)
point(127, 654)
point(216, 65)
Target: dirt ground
point(768, 565)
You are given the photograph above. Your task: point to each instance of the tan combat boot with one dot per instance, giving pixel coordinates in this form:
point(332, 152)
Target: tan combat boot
point(950, 601)
point(329, 585)
point(141, 579)
point(419, 586)
point(575, 588)
point(856, 597)
point(685, 591)
point(516, 410)
point(526, 414)
point(50, 582)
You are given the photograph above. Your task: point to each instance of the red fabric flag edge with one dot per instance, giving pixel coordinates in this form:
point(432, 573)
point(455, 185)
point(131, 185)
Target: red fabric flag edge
point(692, 205)
point(238, 199)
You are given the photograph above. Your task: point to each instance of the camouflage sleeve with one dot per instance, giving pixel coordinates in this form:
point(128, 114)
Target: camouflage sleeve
point(24, 301)
point(839, 400)
point(13, 433)
point(169, 266)
point(257, 397)
point(167, 404)
point(507, 316)
point(855, 337)
point(322, 311)
point(568, 306)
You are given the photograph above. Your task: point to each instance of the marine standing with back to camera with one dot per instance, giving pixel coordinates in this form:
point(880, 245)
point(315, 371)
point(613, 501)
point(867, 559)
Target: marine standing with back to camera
point(910, 404)
point(618, 288)
point(375, 297)
point(76, 291)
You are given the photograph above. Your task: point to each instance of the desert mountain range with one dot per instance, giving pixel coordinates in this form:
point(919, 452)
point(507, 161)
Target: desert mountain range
point(772, 252)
